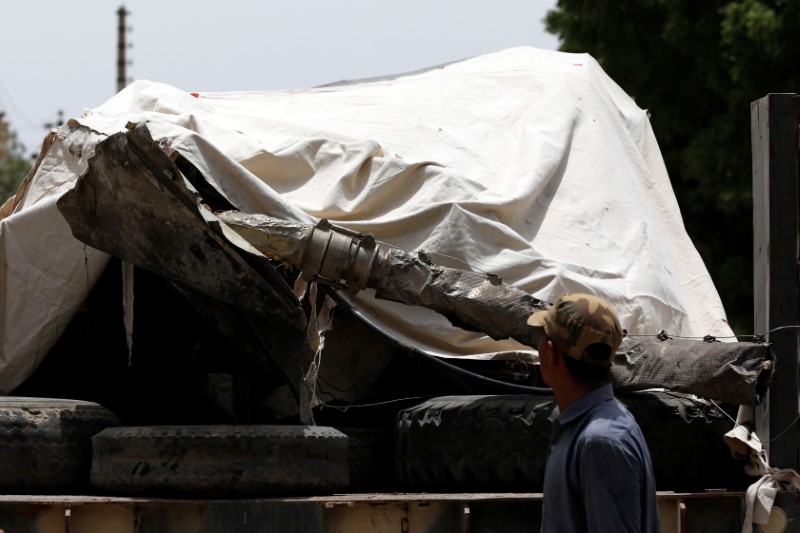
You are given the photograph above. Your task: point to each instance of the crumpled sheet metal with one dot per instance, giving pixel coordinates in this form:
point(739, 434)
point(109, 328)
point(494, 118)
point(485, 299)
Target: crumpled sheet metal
point(282, 240)
point(473, 301)
point(135, 204)
point(737, 373)
point(734, 373)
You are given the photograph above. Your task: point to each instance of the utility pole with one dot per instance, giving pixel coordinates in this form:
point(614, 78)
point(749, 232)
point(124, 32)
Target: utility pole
point(4, 134)
point(122, 78)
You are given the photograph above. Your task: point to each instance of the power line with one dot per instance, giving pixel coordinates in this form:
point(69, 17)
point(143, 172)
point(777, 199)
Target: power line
point(13, 106)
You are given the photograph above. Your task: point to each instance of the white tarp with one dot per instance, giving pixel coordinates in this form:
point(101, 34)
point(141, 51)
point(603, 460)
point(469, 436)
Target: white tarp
point(530, 164)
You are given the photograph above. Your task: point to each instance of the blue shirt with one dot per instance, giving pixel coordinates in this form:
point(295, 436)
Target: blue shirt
point(598, 475)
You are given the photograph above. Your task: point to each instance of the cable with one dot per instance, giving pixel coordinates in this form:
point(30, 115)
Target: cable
point(510, 388)
point(426, 255)
point(664, 335)
point(773, 330)
point(721, 410)
point(773, 439)
point(16, 108)
point(351, 405)
point(790, 426)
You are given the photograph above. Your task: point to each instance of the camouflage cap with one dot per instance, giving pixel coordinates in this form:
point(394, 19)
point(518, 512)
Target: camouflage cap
point(578, 321)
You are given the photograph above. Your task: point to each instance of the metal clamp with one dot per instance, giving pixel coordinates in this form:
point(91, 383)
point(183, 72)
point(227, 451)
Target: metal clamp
point(339, 257)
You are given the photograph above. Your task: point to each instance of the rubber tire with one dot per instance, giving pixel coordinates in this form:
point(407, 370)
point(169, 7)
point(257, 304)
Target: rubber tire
point(46, 444)
point(475, 443)
point(685, 437)
point(370, 453)
point(219, 460)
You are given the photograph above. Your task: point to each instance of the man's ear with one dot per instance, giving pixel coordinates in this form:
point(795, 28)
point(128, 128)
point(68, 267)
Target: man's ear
point(555, 353)
point(546, 346)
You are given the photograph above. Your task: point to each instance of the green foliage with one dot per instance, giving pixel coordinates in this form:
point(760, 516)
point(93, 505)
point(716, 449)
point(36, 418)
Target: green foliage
point(12, 169)
point(697, 67)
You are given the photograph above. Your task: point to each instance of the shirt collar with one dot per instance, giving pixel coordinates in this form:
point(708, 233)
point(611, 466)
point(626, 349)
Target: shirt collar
point(580, 407)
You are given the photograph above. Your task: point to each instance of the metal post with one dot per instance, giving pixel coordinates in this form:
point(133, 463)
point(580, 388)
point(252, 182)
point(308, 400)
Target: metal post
point(774, 135)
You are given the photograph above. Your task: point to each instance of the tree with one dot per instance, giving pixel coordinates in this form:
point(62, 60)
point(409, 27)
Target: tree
point(12, 168)
point(696, 67)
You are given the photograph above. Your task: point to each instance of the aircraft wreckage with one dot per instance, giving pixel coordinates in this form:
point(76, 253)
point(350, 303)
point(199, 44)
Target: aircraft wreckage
point(161, 214)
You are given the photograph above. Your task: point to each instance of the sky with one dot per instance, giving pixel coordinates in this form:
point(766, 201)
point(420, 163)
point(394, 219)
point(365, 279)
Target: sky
point(61, 57)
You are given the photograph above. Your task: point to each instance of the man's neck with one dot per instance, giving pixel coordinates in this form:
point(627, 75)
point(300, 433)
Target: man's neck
point(572, 392)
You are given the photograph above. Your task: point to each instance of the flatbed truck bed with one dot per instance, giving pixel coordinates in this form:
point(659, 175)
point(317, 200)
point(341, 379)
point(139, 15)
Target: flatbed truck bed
point(711, 511)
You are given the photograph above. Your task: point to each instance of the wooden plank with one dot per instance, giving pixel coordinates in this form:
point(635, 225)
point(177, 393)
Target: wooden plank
point(774, 135)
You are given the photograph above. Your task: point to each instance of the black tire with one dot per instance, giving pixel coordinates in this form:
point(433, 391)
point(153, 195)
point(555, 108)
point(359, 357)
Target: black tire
point(685, 437)
point(219, 461)
point(46, 444)
point(370, 453)
point(474, 442)
point(500, 442)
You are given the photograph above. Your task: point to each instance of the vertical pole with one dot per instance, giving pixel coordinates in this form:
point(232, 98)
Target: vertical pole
point(121, 46)
point(4, 134)
point(774, 135)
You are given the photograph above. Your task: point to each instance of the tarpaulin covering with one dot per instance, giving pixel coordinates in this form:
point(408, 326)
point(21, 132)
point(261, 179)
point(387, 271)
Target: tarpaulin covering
point(529, 164)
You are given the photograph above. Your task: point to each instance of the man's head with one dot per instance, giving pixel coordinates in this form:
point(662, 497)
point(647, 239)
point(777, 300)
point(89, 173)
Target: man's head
point(582, 326)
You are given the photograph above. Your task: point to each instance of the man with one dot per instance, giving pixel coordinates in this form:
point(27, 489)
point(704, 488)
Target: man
point(598, 475)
